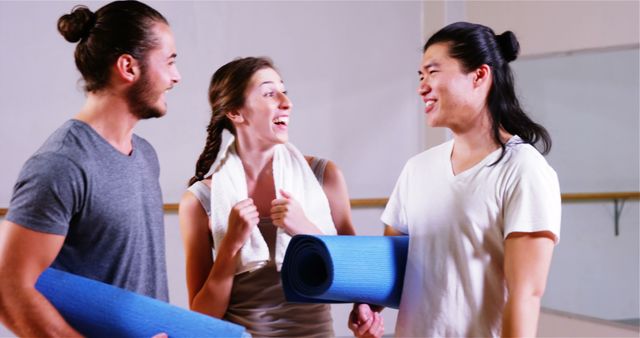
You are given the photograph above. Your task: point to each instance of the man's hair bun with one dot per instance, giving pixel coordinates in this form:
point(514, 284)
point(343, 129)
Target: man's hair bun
point(509, 45)
point(76, 25)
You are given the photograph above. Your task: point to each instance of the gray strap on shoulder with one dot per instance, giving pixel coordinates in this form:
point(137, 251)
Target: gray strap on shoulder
point(318, 165)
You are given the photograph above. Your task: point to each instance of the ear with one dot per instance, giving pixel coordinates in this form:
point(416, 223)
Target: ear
point(235, 116)
point(127, 68)
point(482, 76)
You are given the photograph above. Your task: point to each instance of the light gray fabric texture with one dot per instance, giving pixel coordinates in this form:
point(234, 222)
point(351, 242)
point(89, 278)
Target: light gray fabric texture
point(318, 165)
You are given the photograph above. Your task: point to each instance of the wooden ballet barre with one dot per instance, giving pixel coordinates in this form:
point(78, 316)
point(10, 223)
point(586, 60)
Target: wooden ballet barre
point(357, 203)
point(600, 196)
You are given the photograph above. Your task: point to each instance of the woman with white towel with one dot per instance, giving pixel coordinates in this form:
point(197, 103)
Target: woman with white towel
point(248, 198)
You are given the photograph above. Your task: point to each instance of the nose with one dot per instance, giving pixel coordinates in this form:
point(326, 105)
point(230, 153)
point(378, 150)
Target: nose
point(176, 76)
point(423, 88)
point(285, 102)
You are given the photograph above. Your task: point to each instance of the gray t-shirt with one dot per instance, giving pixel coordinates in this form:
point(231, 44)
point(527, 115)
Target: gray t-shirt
point(107, 204)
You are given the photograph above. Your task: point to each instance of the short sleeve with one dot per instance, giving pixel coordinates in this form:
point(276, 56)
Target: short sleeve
point(395, 213)
point(533, 201)
point(48, 193)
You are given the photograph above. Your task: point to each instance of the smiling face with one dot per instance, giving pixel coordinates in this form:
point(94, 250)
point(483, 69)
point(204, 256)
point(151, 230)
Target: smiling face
point(159, 74)
point(264, 117)
point(451, 96)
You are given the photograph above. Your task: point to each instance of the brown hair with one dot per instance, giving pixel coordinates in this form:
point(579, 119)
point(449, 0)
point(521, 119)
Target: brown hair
point(120, 27)
point(226, 93)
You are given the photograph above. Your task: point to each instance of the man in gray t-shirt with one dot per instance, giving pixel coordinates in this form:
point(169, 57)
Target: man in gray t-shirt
point(89, 200)
point(106, 203)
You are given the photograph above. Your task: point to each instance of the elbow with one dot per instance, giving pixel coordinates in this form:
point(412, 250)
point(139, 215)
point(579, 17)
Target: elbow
point(538, 292)
point(526, 287)
point(12, 295)
point(8, 291)
point(206, 307)
point(536, 289)
point(527, 292)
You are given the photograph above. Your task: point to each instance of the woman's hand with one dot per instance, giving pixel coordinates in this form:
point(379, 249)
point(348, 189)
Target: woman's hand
point(365, 322)
point(242, 220)
point(287, 214)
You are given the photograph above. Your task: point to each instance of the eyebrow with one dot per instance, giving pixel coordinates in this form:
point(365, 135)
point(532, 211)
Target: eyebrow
point(430, 65)
point(173, 56)
point(270, 82)
point(427, 66)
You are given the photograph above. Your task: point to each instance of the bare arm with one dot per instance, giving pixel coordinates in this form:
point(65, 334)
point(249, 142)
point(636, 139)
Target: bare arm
point(197, 243)
point(335, 188)
point(527, 257)
point(24, 255)
point(210, 284)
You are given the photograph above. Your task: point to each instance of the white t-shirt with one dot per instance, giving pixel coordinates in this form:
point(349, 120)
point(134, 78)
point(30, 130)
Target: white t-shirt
point(454, 281)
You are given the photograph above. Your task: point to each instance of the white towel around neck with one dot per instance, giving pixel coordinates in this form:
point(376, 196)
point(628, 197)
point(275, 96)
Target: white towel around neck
point(291, 172)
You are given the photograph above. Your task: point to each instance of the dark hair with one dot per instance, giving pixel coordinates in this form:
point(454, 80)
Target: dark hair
point(474, 45)
point(226, 93)
point(120, 27)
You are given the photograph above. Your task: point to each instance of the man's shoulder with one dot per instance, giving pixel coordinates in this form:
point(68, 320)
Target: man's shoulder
point(524, 155)
point(70, 140)
point(62, 147)
point(142, 141)
point(431, 155)
point(144, 146)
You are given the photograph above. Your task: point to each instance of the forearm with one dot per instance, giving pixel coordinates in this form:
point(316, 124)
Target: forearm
point(520, 316)
point(213, 298)
point(28, 313)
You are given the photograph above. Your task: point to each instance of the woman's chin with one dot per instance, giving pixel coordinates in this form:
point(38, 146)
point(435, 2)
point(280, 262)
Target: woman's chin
point(282, 138)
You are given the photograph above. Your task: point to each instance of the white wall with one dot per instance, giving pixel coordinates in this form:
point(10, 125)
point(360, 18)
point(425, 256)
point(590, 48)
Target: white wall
point(349, 68)
point(547, 27)
point(590, 105)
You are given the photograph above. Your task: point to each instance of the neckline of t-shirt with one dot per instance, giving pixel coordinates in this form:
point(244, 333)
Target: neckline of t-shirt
point(116, 152)
point(490, 158)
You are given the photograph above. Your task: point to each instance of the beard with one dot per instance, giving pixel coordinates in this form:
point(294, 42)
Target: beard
point(141, 98)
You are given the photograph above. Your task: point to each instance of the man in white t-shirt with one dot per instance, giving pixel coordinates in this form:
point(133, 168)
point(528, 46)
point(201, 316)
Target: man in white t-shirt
point(482, 210)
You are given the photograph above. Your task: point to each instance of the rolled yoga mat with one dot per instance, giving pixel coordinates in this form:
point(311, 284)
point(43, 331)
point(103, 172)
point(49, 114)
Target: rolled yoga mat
point(96, 309)
point(345, 269)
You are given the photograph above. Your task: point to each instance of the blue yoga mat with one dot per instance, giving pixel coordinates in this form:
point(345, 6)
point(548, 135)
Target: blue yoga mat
point(345, 269)
point(96, 309)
